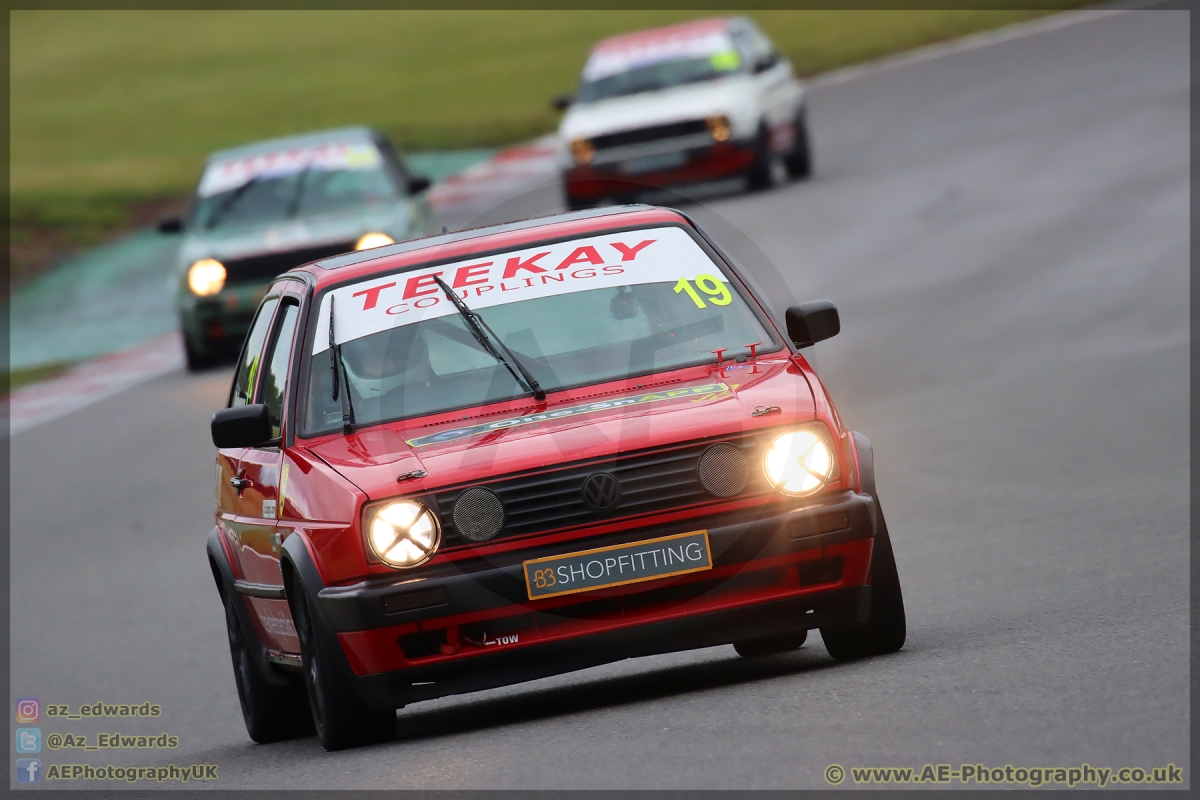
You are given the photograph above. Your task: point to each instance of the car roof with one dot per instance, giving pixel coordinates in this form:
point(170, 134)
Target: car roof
point(334, 135)
point(696, 27)
point(465, 243)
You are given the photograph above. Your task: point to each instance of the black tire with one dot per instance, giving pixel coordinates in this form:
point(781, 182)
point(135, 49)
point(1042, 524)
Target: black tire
point(799, 160)
point(770, 645)
point(759, 177)
point(341, 718)
point(884, 631)
point(195, 360)
point(272, 712)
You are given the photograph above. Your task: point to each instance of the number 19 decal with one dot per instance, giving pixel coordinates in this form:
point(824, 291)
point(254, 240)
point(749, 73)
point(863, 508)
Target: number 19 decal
point(718, 293)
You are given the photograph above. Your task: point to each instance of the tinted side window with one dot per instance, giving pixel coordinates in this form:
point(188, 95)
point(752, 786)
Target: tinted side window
point(741, 40)
point(275, 384)
point(756, 48)
point(394, 164)
point(247, 371)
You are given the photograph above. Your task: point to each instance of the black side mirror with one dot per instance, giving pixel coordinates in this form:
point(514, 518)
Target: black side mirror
point(241, 426)
point(418, 184)
point(561, 102)
point(812, 322)
point(170, 225)
point(766, 62)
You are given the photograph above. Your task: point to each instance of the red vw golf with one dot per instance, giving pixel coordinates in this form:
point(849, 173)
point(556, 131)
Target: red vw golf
point(465, 461)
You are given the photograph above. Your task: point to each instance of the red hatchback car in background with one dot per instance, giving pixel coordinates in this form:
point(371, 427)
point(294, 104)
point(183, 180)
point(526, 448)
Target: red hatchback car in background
point(464, 461)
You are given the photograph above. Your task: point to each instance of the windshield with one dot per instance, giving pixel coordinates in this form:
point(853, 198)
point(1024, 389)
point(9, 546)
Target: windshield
point(279, 185)
point(654, 64)
point(573, 313)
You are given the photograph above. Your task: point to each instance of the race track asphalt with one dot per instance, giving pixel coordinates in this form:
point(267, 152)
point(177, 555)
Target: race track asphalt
point(1005, 231)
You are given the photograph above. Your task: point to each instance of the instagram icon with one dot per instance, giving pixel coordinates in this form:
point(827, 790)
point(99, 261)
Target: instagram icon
point(29, 709)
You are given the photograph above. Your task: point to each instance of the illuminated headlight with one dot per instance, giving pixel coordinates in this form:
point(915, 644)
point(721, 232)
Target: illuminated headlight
point(799, 462)
point(718, 126)
point(403, 534)
point(369, 240)
point(206, 277)
point(582, 150)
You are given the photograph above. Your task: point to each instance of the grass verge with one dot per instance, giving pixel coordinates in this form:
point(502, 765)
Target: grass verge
point(23, 377)
point(112, 111)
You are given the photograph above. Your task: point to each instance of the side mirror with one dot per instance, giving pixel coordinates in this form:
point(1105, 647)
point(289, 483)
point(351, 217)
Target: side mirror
point(812, 322)
point(766, 62)
point(418, 184)
point(170, 225)
point(561, 102)
point(241, 426)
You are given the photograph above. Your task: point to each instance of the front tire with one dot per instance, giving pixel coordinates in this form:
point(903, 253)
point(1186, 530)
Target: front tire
point(341, 718)
point(272, 713)
point(799, 160)
point(884, 631)
point(770, 645)
point(195, 360)
point(760, 176)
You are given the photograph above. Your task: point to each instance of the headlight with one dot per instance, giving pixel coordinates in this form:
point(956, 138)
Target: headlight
point(799, 462)
point(403, 534)
point(718, 126)
point(582, 150)
point(206, 277)
point(369, 240)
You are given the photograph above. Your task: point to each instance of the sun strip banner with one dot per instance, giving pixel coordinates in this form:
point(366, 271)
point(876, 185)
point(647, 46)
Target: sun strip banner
point(611, 260)
point(221, 176)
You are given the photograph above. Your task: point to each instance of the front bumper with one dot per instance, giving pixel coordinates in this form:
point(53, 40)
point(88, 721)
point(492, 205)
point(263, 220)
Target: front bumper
point(220, 322)
point(468, 625)
point(590, 182)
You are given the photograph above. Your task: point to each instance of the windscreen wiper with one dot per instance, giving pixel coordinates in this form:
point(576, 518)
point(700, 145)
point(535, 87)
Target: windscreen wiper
point(480, 330)
point(227, 203)
point(298, 194)
point(339, 375)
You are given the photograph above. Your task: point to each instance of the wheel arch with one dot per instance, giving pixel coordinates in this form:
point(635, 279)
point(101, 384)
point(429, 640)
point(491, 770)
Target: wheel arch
point(298, 568)
point(218, 562)
point(865, 457)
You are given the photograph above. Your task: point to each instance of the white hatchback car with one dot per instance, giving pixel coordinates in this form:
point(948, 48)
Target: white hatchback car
point(684, 104)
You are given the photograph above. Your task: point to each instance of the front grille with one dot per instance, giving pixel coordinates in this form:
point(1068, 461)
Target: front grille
point(723, 470)
point(651, 134)
point(649, 481)
point(478, 514)
point(267, 267)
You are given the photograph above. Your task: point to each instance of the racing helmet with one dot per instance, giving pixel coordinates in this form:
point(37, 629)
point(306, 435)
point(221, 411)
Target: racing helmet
point(383, 362)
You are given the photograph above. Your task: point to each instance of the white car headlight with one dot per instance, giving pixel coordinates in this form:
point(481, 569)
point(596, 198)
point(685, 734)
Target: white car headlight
point(798, 462)
point(369, 240)
point(582, 150)
point(719, 127)
point(206, 277)
point(403, 534)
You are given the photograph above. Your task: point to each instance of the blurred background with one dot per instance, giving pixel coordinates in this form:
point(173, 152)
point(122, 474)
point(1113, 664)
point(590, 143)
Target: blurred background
point(114, 112)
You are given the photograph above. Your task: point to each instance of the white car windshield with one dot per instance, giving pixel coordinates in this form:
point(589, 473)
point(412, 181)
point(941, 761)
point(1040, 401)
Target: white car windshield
point(651, 64)
point(572, 313)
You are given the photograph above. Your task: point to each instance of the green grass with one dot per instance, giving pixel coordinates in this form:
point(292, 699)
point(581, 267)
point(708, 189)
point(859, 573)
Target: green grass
point(23, 377)
point(111, 106)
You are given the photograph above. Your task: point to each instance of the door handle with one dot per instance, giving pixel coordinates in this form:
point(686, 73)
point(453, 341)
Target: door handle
point(238, 482)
